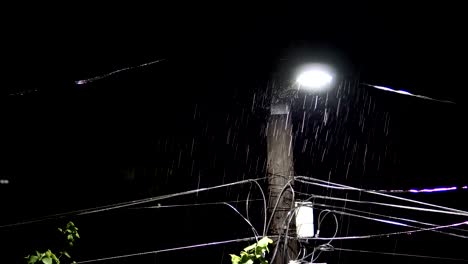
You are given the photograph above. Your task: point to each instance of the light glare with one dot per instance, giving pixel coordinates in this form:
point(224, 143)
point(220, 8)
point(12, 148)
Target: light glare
point(314, 79)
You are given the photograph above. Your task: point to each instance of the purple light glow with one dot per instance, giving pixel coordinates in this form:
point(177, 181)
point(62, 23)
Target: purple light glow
point(440, 189)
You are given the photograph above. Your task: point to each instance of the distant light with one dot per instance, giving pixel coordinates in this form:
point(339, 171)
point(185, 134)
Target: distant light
point(4, 181)
point(465, 187)
point(304, 219)
point(441, 189)
point(315, 78)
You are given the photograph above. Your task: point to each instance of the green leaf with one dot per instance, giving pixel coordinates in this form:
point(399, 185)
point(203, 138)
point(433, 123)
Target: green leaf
point(66, 254)
point(47, 260)
point(254, 253)
point(259, 252)
point(77, 235)
point(264, 242)
point(56, 259)
point(246, 257)
point(70, 237)
point(251, 247)
point(60, 229)
point(33, 259)
point(235, 259)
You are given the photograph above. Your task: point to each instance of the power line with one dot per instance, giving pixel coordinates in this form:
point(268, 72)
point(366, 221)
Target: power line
point(217, 203)
point(382, 215)
point(245, 219)
point(168, 250)
point(426, 190)
point(394, 223)
point(205, 204)
point(389, 234)
point(399, 254)
point(385, 204)
point(99, 77)
point(341, 186)
point(407, 93)
point(192, 204)
point(128, 204)
point(288, 184)
point(413, 190)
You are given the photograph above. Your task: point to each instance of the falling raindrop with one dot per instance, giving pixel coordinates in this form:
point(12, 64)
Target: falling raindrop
point(303, 121)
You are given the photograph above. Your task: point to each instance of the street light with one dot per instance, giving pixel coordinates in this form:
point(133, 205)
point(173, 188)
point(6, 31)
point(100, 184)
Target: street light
point(280, 166)
point(315, 77)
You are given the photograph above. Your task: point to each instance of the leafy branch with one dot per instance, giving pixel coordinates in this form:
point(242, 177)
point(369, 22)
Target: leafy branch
point(71, 231)
point(254, 253)
point(48, 257)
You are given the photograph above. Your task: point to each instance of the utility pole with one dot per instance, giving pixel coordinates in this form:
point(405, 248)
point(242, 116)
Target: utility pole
point(280, 169)
point(280, 163)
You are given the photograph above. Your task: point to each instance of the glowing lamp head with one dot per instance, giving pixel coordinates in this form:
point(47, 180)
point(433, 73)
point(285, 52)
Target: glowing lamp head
point(315, 78)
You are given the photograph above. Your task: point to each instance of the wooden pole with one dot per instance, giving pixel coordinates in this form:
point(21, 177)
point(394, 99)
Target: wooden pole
point(280, 169)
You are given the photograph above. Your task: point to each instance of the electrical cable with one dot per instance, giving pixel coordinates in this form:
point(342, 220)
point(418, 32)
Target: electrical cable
point(413, 191)
point(319, 222)
point(286, 219)
point(201, 204)
point(277, 202)
point(407, 93)
point(390, 234)
point(265, 212)
point(386, 204)
point(400, 254)
point(394, 223)
point(382, 215)
point(167, 250)
point(245, 219)
point(289, 216)
point(99, 77)
point(298, 178)
point(189, 205)
point(247, 203)
point(322, 248)
point(291, 213)
point(105, 208)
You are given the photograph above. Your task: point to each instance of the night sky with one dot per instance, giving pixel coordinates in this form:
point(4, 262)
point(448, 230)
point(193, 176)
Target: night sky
point(198, 118)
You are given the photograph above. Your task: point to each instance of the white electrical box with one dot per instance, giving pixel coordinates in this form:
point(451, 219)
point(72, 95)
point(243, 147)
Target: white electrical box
point(304, 220)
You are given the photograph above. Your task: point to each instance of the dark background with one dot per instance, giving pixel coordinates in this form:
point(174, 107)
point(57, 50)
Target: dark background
point(197, 119)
